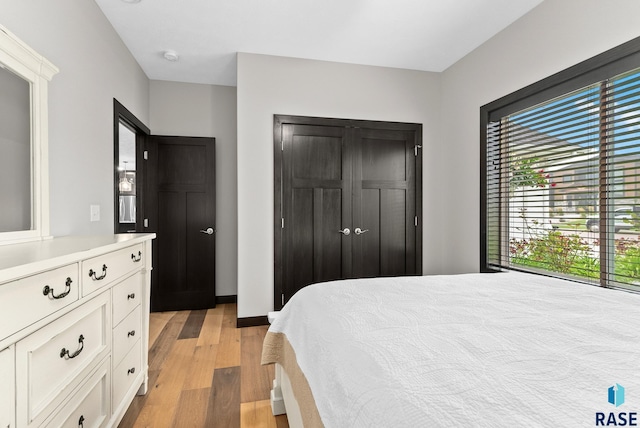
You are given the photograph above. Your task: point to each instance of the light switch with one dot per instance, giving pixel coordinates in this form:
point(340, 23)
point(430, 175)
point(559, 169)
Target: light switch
point(95, 212)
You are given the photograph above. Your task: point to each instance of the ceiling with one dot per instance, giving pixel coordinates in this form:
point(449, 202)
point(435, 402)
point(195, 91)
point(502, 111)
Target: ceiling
point(428, 35)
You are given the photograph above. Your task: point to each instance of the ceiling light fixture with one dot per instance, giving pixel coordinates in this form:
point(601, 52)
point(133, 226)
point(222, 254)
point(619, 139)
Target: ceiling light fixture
point(171, 56)
point(125, 185)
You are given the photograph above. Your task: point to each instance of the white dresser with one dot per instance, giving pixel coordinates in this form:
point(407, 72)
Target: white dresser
point(74, 328)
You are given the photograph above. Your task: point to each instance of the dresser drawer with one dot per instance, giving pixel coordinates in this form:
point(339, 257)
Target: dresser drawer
point(90, 406)
point(127, 372)
point(102, 270)
point(125, 335)
point(126, 296)
point(30, 299)
point(51, 362)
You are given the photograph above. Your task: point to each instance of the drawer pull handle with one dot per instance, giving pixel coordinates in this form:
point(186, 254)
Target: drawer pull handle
point(92, 273)
point(131, 333)
point(65, 352)
point(136, 259)
point(49, 290)
point(81, 422)
point(131, 296)
point(132, 370)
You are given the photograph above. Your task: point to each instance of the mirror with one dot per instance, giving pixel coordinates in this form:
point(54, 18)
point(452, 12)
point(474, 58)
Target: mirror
point(24, 194)
point(126, 188)
point(16, 195)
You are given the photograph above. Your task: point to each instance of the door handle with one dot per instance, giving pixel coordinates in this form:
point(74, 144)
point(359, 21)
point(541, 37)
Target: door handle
point(208, 231)
point(345, 231)
point(359, 231)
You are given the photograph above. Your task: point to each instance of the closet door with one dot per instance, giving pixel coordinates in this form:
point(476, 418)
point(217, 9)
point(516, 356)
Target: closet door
point(316, 205)
point(347, 201)
point(384, 202)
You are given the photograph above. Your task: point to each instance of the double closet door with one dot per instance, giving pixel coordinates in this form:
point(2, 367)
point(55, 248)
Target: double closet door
point(349, 201)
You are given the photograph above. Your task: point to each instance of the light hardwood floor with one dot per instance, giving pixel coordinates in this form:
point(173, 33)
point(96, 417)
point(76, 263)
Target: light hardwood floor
point(204, 372)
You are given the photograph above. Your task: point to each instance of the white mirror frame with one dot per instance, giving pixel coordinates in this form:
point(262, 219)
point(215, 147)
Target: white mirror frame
point(16, 56)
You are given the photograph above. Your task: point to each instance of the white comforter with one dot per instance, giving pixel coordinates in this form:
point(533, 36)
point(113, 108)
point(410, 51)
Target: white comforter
point(476, 350)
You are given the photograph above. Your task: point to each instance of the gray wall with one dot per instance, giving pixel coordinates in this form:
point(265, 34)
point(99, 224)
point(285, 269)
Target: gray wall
point(206, 111)
point(269, 85)
point(555, 35)
point(95, 66)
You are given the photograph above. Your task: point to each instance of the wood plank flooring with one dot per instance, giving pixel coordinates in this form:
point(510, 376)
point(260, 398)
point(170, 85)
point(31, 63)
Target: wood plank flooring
point(204, 372)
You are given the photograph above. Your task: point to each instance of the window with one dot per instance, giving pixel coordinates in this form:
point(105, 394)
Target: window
point(560, 182)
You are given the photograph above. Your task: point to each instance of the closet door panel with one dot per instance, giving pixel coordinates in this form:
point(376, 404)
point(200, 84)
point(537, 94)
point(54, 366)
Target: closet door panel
point(327, 220)
point(383, 248)
point(369, 256)
point(316, 199)
point(300, 267)
point(393, 247)
point(384, 202)
point(383, 159)
point(316, 157)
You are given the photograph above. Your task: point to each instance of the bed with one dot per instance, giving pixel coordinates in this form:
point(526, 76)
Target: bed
point(474, 350)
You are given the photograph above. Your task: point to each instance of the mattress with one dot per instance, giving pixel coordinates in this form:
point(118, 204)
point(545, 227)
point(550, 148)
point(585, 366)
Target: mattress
point(474, 350)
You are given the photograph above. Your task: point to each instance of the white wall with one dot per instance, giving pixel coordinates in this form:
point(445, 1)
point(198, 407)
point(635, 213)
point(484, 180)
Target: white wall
point(269, 85)
point(206, 111)
point(95, 66)
point(555, 35)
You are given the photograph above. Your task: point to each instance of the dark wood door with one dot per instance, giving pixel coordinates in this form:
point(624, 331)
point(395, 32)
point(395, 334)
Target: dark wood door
point(180, 208)
point(333, 175)
point(384, 202)
point(317, 205)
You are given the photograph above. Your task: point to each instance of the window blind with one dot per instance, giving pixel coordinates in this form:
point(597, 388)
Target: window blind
point(562, 187)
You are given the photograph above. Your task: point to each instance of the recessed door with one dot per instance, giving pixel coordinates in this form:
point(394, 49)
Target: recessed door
point(180, 208)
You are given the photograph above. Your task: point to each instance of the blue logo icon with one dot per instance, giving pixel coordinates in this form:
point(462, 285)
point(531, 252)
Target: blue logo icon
point(616, 395)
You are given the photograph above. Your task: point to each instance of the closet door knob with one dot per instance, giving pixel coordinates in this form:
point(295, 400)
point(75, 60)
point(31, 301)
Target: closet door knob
point(208, 231)
point(345, 231)
point(359, 231)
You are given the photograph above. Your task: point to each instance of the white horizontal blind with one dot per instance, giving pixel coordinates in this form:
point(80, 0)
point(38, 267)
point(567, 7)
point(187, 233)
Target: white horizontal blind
point(622, 189)
point(563, 185)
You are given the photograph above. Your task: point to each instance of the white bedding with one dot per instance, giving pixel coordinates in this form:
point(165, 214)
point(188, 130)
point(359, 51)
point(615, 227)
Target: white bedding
point(475, 350)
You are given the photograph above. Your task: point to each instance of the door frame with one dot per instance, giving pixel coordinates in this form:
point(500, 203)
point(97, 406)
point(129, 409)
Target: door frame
point(278, 121)
point(122, 114)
